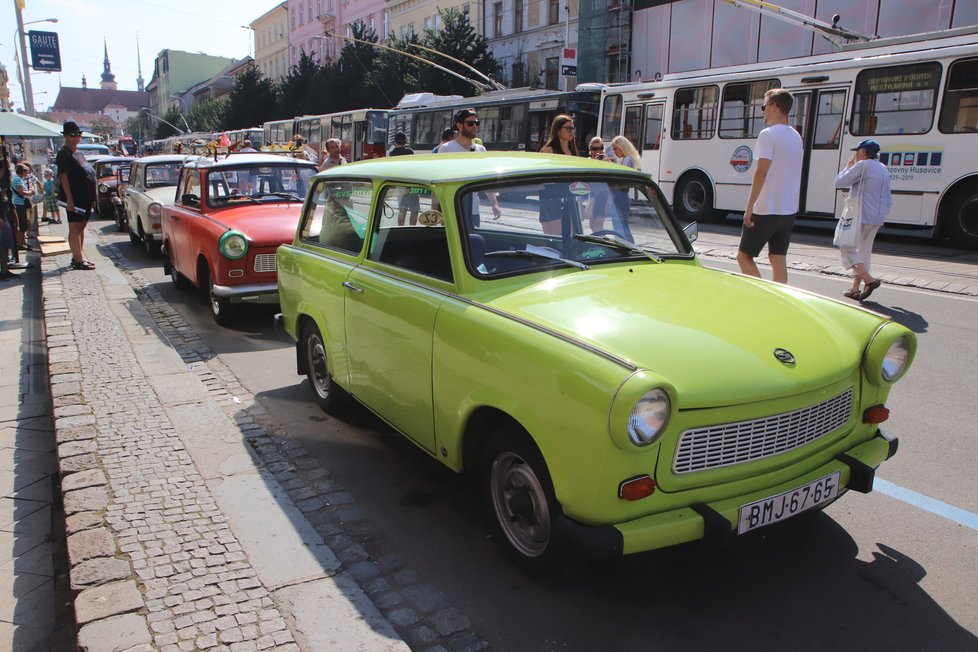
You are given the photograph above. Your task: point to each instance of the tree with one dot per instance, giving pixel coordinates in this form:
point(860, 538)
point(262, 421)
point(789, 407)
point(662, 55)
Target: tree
point(395, 73)
point(208, 115)
point(252, 102)
point(298, 93)
point(138, 127)
point(169, 124)
point(103, 125)
point(456, 38)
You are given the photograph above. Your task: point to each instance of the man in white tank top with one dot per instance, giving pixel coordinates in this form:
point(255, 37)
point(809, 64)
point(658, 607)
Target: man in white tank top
point(773, 201)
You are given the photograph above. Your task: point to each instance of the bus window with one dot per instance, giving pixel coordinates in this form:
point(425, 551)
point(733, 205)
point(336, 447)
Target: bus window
point(489, 124)
point(800, 110)
point(653, 127)
point(633, 125)
point(828, 119)
point(611, 117)
point(695, 114)
point(959, 112)
point(742, 111)
point(511, 119)
point(895, 100)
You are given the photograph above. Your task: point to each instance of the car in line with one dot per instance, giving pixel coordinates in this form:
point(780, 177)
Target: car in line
point(543, 323)
point(107, 200)
point(152, 183)
point(227, 219)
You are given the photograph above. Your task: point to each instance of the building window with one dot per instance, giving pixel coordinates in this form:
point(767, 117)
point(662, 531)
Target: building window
point(518, 17)
point(519, 74)
point(553, 12)
point(497, 19)
point(553, 72)
point(465, 9)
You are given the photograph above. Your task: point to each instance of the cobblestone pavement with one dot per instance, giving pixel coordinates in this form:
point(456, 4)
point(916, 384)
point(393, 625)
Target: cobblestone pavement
point(157, 562)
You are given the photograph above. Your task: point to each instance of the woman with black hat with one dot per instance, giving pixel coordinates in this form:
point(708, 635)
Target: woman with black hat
point(77, 190)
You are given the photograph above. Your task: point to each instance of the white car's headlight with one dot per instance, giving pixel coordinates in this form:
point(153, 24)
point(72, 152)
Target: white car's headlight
point(895, 360)
point(154, 209)
point(102, 188)
point(649, 417)
point(233, 245)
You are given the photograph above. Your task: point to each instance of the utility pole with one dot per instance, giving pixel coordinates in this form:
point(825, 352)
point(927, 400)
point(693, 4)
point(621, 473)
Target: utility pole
point(26, 82)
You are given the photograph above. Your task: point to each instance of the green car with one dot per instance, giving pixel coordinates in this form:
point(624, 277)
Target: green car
point(542, 322)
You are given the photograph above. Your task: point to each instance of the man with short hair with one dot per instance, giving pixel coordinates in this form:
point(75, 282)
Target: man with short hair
point(246, 147)
point(467, 126)
point(332, 158)
point(77, 191)
point(773, 201)
point(408, 202)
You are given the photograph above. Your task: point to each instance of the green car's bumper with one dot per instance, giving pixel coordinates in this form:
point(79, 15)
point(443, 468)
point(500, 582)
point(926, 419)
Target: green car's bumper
point(718, 521)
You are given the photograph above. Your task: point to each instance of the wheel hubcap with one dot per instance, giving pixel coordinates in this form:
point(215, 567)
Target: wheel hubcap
point(317, 365)
point(968, 216)
point(693, 197)
point(520, 504)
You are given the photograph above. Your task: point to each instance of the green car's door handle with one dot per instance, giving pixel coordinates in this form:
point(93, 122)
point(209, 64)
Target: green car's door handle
point(352, 287)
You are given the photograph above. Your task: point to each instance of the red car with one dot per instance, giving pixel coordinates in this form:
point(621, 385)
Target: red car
point(228, 218)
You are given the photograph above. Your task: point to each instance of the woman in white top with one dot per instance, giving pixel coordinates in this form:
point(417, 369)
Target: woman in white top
point(625, 153)
point(867, 179)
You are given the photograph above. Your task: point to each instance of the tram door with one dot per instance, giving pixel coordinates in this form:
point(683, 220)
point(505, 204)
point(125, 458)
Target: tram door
point(819, 116)
point(652, 137)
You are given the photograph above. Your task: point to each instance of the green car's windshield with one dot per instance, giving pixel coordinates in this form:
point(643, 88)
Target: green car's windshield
point(247, 184)
point(568, 221)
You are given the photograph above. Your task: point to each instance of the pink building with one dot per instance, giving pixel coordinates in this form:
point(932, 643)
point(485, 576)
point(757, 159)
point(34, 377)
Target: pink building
point(310, 20)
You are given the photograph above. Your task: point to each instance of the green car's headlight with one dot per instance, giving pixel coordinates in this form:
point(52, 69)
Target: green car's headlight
point(232, 245)
point(649, 417)
point(889, 354)
point(896, 359)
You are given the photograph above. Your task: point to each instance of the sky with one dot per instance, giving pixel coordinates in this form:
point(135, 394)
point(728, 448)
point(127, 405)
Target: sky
point(210, 26)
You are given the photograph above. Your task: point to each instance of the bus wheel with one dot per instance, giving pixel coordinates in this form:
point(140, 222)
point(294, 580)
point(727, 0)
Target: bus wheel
point(959, 217)
point(693, 201)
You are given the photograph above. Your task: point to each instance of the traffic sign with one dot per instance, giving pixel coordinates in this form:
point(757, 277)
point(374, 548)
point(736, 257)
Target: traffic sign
point(45, 51)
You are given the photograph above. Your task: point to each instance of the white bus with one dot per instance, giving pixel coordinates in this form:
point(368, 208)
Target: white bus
point(916, 96)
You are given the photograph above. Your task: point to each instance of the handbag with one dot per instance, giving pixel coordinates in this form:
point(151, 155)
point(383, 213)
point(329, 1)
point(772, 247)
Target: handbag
point(850, 222)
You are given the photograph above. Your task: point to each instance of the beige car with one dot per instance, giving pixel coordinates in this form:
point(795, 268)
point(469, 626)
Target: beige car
point(152, 183)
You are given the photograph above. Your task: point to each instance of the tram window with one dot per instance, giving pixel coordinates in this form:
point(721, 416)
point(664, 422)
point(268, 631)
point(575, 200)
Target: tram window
point(511, 119)
point(653, 127)
point(959, 111)
point(742, 111)
point(828, 119)
point(895, 100)
point(695, 114)
point(611, 117)
point(633, 124)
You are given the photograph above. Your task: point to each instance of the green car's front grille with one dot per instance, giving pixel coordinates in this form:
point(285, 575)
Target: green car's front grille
point(726, 444)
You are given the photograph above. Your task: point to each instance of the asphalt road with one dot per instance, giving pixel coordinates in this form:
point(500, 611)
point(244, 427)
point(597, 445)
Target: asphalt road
point(894, 570)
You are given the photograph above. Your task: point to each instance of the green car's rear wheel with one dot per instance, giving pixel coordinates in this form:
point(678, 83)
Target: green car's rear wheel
point(330, 396)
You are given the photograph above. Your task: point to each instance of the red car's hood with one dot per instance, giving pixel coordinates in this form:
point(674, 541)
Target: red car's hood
point(267, 225)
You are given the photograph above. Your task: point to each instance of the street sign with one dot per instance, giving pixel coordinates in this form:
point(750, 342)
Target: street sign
point(45, 51)
point(568, 62)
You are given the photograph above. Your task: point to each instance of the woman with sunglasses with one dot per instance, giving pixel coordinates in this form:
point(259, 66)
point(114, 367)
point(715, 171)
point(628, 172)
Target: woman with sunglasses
point(562, 137)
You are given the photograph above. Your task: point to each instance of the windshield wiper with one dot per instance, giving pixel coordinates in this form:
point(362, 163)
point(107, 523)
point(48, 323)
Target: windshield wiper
point(286, 195)
point(527, 253)
point(236, 197)
point(615, 242)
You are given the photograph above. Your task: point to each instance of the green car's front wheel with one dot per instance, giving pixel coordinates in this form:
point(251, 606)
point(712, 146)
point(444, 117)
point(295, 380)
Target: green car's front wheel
point(519, 496)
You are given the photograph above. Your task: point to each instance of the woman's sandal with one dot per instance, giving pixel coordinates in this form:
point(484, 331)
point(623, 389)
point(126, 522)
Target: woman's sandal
point(852, 294)
point(868, 289)
point(82, 265)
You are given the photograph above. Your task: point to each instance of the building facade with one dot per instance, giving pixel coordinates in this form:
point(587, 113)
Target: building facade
point(84, 105)
point(271, 33)
point(174, 72)
point(528, 39)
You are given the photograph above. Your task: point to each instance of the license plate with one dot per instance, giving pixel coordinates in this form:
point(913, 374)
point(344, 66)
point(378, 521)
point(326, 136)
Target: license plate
point(778, 508)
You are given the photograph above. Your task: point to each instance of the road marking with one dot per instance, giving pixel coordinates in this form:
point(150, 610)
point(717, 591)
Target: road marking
point(927, 503)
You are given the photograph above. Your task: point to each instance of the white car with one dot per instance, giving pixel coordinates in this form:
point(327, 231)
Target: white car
point(152, 183)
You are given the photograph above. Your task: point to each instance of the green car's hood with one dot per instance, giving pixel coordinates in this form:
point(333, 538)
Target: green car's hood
point(709, 333)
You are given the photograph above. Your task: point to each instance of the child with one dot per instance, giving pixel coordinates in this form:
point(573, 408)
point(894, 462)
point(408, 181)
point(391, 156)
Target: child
point(50, 199)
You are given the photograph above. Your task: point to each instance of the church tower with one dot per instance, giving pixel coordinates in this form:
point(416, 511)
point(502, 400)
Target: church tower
point(139, 68)
point(108, 79)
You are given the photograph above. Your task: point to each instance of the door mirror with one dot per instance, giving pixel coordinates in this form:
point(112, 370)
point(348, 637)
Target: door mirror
point(692, 231)
point(190, 200)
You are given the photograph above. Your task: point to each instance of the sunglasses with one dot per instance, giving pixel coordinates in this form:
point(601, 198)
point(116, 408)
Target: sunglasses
point(471, 123)
point(74, 135)
point(571, 127)
point(597, 148)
